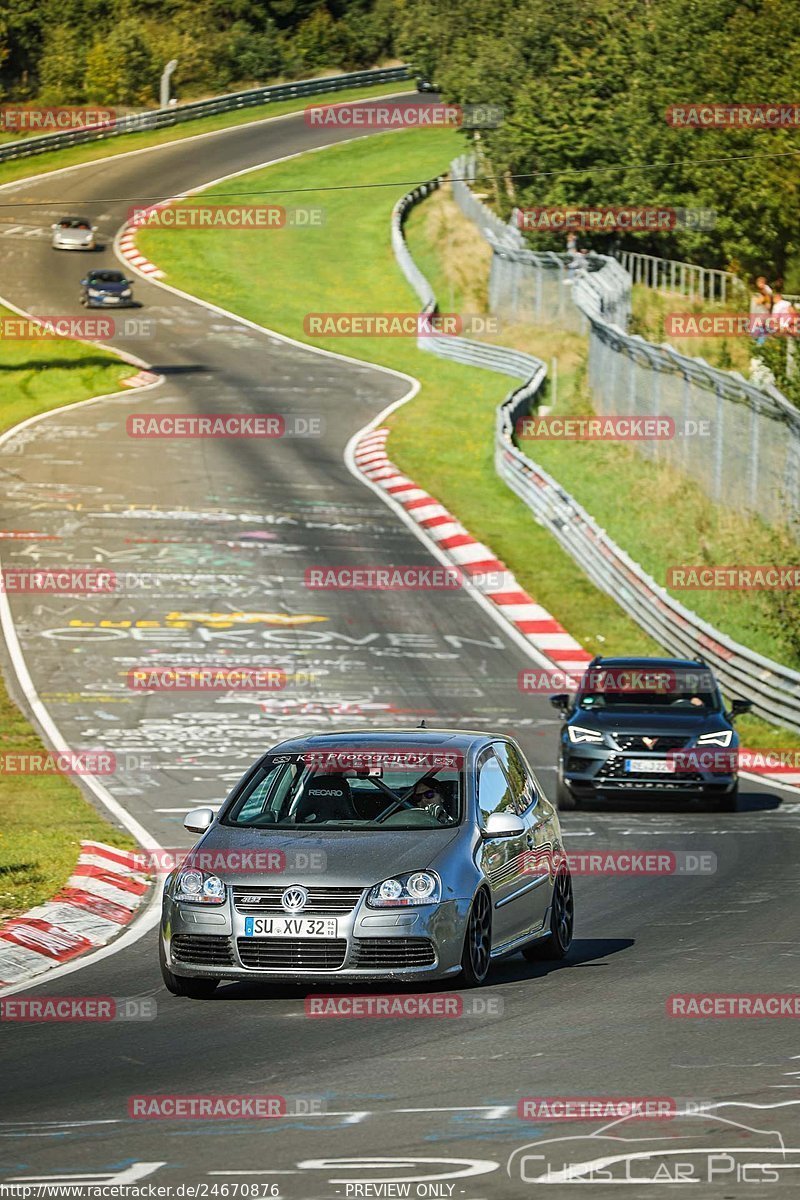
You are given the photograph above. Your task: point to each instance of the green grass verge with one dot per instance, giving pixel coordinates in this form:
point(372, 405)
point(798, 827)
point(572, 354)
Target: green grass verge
point(43, 818)
point(347, 266)
point(109, 147)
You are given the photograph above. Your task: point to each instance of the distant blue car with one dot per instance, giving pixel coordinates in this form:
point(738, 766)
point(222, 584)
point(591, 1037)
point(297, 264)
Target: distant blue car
point(104, 288)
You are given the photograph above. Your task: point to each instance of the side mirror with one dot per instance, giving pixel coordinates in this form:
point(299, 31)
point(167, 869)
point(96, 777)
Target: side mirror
point(198, 820)
point(740, 706)
point(54, 225)
point(502, 825)
point(561, 701)
point(84, 283)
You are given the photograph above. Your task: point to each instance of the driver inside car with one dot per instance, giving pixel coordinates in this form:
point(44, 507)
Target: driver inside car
point(426, 795)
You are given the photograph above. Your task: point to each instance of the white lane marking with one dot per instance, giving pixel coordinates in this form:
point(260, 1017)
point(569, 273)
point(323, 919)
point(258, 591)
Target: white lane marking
point(136, 1171)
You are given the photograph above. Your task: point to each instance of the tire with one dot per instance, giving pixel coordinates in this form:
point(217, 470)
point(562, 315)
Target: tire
point(179, 985)
point(475, 957)
point(566, 801)
point(556, 945)
point(729, 803)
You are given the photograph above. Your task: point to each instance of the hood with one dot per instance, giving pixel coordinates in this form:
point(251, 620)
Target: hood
point(343, 858)
point(663, 721)
point(74, 235)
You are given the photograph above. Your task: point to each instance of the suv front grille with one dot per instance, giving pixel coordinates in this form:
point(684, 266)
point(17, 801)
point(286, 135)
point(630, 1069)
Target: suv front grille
point(663, 742)
point(202, 950)
point(393, 953)
point(292, 954)
point(340, 900)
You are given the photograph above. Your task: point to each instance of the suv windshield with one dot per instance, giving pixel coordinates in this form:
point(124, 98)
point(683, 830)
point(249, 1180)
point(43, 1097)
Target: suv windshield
point(318, 788)
point(692, 689)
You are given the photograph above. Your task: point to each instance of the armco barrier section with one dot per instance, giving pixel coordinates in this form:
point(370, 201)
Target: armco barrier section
point(162, 118)
point(774, 689)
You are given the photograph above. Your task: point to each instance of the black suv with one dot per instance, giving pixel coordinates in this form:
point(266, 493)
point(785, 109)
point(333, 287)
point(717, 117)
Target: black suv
point(648, 725)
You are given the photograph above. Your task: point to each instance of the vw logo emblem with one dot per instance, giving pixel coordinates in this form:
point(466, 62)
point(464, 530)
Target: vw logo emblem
point(294, 899)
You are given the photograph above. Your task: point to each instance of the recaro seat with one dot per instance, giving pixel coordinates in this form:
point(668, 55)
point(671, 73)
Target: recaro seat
point(326, 798)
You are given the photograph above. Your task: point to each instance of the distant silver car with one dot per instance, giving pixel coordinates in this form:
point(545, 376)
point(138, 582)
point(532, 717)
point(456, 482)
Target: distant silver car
point(409, 856)
point(74, 233)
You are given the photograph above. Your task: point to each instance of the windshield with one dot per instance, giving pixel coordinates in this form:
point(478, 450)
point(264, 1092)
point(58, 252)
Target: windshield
point(107, 277)
point(74, 223)
point(321, 789)
point(650, 687)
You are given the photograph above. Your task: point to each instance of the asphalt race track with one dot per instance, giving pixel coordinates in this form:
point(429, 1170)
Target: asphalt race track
point(222, 531)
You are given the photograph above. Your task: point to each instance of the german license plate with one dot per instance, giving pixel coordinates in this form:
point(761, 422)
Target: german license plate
point(298, 927)
point(650, 766)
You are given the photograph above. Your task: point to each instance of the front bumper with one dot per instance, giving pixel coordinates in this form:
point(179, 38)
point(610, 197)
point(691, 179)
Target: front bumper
point(419, 943)
point(106, 302)
point(596, 771)
point(59, 245)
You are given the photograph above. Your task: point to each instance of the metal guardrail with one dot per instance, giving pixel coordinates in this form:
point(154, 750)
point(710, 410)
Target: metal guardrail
point(161, 118)
point(744, 674)
point(691, 280)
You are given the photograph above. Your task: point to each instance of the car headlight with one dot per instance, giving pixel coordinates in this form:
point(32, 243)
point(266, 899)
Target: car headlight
point(126, 294)
point(94, 292)
point(722, 737)
point(198, 887)
point(579, 733)
point(418, 887)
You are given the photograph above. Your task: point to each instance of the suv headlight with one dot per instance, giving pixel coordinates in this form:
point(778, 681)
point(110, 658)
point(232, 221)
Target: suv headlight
point(579, 733)
point(199, 887)
point(418, 887)
point(722, 737)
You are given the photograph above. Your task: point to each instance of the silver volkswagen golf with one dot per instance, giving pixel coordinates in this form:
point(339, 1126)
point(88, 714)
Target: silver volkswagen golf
point(406, 856)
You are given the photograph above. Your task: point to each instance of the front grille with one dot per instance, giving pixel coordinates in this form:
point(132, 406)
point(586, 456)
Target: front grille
point(339, 900)
point(203, 950)
point(393, 953)
point(635, 741)
point(292, 954)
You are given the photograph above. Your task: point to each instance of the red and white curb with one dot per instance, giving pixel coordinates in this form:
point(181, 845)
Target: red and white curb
point(127, 248)
point(99, 899)
point(491, 576)
point(141, 379)
point(519, 609)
